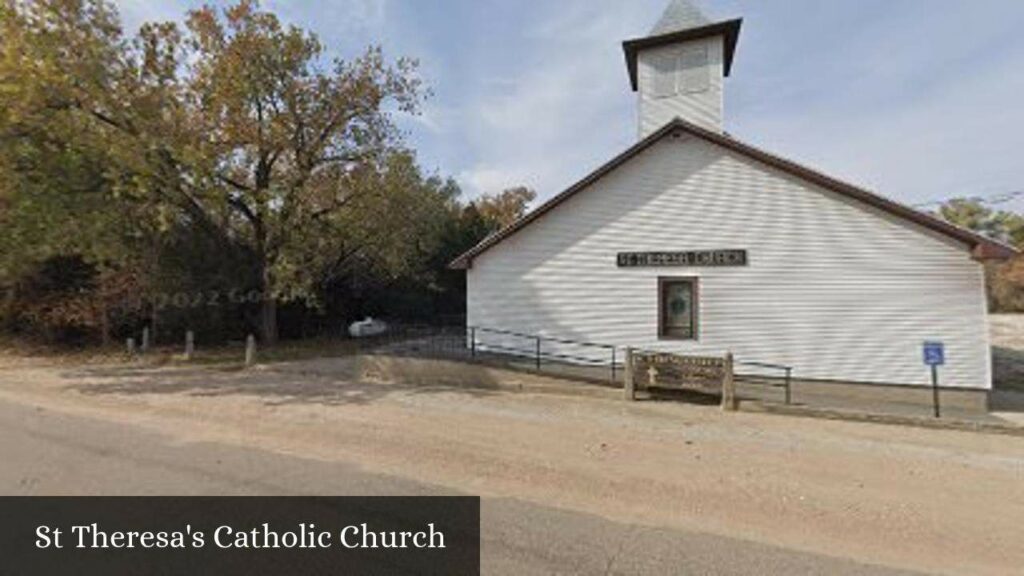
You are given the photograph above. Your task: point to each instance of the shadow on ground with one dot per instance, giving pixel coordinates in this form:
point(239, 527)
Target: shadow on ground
point(327, 381)
point(686, 396)
point(1008, 368)
point(1008, 380)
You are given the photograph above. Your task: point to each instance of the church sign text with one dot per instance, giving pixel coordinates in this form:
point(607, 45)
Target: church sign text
point(693, 259)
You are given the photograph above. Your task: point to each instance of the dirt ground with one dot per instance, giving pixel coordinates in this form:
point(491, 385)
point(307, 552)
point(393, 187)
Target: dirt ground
point(936, 501)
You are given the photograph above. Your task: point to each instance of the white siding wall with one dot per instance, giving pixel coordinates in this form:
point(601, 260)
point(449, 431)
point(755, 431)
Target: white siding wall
point(702, 108)
point(837, 289)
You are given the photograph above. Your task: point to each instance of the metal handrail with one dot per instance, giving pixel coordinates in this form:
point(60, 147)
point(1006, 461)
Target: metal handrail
point(787, 383)
point(764, 365)
point(535, 350)
point(545, 338)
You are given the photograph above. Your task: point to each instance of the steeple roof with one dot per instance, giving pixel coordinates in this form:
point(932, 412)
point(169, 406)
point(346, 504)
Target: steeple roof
point(683, 22)
point(680, 15)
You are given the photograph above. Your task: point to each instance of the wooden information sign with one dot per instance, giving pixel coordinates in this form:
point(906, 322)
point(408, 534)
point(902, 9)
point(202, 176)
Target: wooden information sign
point(697, 373)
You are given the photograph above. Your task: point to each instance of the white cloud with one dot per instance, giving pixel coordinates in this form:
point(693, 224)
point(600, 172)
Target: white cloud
point(334, 16)
point(877, 101)
point(946, 135)
point(546, 124)
point(134, 13)
point(491, 179)
point(339, 15)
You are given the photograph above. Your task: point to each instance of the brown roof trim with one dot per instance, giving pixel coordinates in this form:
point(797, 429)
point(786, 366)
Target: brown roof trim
point(982, 248)
point(729, 28)
point(466, 260)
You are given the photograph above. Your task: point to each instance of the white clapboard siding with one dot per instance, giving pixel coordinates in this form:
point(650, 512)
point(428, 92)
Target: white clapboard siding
point(704, 108)
point(835, 288)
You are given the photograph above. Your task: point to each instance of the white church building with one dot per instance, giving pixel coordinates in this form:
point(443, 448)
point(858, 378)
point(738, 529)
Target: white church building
point(694, 242)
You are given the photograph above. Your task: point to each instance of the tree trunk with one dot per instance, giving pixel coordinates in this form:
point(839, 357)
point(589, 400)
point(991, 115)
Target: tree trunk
point(268, 320)
point(154, 316)
point(105, 324)
point(268, 309)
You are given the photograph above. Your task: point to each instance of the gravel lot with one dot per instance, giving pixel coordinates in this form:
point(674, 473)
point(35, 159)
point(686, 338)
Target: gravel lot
point(936, 501)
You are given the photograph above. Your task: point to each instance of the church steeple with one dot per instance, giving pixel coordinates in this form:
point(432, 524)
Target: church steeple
point(680, 15)
point(679, 69)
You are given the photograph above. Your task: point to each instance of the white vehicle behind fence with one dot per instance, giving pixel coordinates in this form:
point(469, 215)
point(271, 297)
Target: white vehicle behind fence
point(367, 328)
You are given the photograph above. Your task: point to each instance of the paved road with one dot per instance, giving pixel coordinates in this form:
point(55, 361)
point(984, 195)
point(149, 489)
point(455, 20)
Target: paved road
point(48, 453)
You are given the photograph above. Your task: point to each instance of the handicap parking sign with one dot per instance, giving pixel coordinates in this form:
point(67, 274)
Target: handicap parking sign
point(934, 354)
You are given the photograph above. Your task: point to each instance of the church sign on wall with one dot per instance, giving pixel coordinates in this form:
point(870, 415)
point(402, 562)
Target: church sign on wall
point(705, 258)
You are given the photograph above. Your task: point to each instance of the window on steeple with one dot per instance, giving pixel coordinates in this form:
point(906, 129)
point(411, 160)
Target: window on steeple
point(694, 75)
point(664, 66)
point(680, 71)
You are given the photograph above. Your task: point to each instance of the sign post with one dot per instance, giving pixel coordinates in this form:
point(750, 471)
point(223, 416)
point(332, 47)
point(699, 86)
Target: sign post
point(935, 356)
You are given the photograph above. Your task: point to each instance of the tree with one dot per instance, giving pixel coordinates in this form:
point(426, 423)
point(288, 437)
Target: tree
point(390, 259)
point(234, 126)
point(281, 146)
point(501, 210)
point(971, 213)
point(227, 153)
point(1005, 281)
point(59, 197)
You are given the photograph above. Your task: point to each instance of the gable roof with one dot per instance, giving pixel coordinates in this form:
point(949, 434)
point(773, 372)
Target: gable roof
point(982, 248)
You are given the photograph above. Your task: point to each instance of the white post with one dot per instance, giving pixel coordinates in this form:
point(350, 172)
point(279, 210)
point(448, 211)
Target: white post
point(630, 383)
point(130, 345)
point(250, 351)
point(190, 344)
point(729, 403)
point(145, 340)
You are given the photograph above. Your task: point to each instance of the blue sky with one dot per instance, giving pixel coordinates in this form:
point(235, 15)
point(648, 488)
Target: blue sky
point(916, 99)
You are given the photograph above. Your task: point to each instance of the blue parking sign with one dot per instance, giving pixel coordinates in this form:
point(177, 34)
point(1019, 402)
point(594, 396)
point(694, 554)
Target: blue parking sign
point(934, 354)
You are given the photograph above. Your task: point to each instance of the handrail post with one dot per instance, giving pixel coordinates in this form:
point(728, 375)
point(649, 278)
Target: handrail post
point(613, 365)
point(538, 353)
point(629, 386)
point(789, 384)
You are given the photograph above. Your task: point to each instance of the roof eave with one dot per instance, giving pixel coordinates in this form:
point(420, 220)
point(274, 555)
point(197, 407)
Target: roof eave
point(465, 261)
point(991, 251)
point(981, 247)
point(728, 28)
